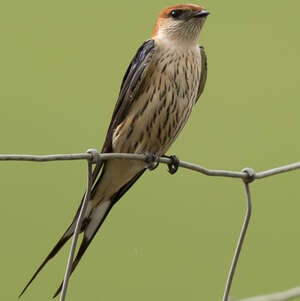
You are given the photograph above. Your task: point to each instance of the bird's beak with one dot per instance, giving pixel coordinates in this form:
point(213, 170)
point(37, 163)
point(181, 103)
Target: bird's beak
point(201, 13)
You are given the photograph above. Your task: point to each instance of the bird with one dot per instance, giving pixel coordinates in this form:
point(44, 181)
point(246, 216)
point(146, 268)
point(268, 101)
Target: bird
point(162, 84)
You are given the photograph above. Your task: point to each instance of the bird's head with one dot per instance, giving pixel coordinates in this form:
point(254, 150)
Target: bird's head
point(181, 22)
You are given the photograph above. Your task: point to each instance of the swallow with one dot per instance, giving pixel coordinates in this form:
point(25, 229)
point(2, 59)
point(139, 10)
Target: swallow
point(162, 84)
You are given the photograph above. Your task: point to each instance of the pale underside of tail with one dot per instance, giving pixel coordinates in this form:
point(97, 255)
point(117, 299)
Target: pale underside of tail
point(90, 226)
point(93, 220)
point(96, 219)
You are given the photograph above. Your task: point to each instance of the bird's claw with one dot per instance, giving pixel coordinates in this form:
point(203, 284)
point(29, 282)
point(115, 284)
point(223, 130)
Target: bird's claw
point(173, 164)
point(152, 161)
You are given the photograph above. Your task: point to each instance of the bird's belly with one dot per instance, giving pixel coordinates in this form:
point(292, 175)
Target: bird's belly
point(155, 130)
point(159, 112)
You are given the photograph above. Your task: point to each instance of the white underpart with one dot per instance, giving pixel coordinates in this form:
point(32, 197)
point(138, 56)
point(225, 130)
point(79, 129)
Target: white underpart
point(180, 31)
point(72, 228)
point(174, 43)
point(96, 217)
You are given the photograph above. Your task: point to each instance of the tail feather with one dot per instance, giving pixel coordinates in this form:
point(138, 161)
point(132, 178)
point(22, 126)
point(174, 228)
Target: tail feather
point(53, 252)
point(90, 226)
point(95, 223)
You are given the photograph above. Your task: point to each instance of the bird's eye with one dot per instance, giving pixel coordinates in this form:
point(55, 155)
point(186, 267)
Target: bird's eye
point(176, 13)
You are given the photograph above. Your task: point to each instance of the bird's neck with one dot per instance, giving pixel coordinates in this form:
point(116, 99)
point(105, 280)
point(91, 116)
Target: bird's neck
point(173, 43)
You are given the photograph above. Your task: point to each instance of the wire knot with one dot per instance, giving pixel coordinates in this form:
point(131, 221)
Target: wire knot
point(250, 175)
point(173, 164)
point(95, 155)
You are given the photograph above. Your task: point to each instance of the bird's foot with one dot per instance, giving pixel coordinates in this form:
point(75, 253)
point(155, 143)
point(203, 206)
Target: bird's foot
point(151, 160)
point(173, 164)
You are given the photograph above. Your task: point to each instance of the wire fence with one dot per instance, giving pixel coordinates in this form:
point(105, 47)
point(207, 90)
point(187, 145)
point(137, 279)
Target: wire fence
point(93, 157)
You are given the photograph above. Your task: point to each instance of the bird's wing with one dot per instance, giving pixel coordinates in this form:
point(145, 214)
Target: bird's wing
point(203, 71)
point(130, 88)
point(129, 91)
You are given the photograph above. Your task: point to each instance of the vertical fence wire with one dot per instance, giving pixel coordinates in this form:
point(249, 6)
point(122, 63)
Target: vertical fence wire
point(239, 243)
point(77, 231)
point(93, 156)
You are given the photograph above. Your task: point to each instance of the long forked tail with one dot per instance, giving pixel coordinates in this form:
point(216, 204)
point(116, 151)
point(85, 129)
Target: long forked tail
point(96, 220)
point(53, 252)
point(90, 226)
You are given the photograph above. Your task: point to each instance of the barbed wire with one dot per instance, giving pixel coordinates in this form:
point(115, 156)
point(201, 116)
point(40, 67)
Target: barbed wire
point(92, 156)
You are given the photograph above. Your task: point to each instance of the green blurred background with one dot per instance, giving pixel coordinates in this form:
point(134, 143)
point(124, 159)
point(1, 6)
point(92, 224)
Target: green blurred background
point(171, 237)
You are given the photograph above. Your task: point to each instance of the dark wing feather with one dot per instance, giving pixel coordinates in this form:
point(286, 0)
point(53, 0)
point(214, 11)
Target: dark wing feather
point(129, 88)
point(53, 252)
point(203, 75)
